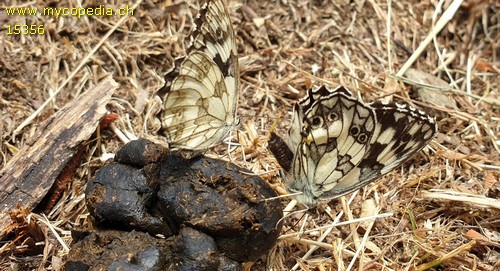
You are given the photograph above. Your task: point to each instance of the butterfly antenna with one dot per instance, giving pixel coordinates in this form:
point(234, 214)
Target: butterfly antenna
point(304, 218)
point(287, 214)
point(288, 210)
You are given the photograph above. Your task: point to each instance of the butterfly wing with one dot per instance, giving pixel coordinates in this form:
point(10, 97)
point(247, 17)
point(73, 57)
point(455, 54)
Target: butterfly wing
point(340, 144)
point(194, 117)
point(400, 132)
point(334, 129)
point(201, 92)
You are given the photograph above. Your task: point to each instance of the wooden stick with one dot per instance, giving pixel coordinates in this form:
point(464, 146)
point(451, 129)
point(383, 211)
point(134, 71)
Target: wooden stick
point(31, 172)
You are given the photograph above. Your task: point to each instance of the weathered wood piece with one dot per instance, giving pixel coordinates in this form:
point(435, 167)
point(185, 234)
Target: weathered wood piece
point(31, 172)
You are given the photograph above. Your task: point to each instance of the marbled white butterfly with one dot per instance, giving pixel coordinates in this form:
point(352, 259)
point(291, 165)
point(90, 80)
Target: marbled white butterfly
point(200, 96)
point(337, 143)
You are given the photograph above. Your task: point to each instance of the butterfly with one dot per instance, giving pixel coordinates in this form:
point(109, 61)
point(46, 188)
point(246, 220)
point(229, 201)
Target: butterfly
point(338, 144)
point(200, 95)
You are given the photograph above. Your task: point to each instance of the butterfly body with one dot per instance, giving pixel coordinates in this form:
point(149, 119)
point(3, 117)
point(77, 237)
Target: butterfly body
point(340, 143)
point(200, 96)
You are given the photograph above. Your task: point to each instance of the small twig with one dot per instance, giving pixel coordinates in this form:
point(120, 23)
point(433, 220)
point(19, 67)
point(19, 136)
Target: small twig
point(450, 195)
point(436, 44)
point(447, 16)
point(336, 224)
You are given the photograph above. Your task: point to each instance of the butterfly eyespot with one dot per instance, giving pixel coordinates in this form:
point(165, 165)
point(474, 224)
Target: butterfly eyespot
point(317, 121)
point(343, 143)
point(354, 131)
point(362, 138)
point(333, 116)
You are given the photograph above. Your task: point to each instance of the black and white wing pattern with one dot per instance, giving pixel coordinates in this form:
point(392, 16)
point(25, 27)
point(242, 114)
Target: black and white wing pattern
point(339, 144)
point(200, 96)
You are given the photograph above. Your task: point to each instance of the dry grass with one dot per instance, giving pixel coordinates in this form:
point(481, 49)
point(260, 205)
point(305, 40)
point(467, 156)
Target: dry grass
point(284, 46)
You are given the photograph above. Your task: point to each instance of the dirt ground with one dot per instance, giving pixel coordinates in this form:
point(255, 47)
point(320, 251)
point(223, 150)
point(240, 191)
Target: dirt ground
point(438, 211)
